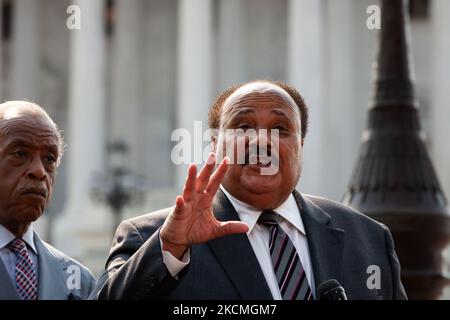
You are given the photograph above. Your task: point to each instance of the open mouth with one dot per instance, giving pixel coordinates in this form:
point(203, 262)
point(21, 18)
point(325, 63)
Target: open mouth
point(259, 161)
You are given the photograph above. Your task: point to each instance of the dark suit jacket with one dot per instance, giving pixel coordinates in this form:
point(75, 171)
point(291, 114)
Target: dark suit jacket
point(342, 244)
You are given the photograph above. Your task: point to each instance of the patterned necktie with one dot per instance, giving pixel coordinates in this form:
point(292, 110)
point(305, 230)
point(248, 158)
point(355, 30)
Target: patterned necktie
point(26, 281)
point(288, 268)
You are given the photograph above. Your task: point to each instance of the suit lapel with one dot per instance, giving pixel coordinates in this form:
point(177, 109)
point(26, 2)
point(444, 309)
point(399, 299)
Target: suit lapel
point(325, 242)
point(237, 257)
point(8, 290)
point(52, 276)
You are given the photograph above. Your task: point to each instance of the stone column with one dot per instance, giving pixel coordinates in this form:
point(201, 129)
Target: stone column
point(363, 45)
point(194, 71)
point(265, 39)
point(342, 142)
point(230, 66)
point(83, 229)
point(127, 86)
point(440, 98)
point(440, 93)
point(159, 67)
point(25, 52)
point(2, 83)
point(305, 72)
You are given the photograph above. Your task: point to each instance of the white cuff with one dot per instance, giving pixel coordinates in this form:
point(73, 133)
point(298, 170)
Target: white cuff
point(173, 264)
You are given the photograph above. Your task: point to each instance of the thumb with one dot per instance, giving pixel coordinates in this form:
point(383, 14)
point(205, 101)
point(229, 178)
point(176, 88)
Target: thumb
point(231, 227)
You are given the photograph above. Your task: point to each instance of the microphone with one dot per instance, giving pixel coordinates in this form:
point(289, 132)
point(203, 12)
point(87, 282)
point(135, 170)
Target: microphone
point(331, 290)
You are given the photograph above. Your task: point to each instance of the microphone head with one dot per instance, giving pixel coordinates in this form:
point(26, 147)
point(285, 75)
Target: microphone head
point(331, 290)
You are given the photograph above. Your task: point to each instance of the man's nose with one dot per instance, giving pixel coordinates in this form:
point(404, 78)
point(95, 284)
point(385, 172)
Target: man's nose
point(262, 138)
point(260, 142)
point(36, 169)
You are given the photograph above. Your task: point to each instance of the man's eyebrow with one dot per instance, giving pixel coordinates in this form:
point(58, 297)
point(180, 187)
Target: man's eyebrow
point(28, 144)
point(280, 112)
point(21, 142)
point(243, 111)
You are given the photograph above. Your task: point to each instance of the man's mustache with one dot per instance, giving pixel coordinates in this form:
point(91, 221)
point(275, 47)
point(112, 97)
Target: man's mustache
point(34, 188)
point(254, 155)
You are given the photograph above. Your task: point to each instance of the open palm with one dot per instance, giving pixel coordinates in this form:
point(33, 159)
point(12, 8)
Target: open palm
point(192, 220)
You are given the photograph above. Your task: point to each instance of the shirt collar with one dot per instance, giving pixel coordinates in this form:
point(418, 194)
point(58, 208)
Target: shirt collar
point(6, 237)
point(288, 210)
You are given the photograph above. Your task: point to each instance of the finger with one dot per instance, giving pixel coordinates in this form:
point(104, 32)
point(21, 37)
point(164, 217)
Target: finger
point(231, 227)
point(205, 173)
point(179, 205)
point(216, 178)
point(189, 186)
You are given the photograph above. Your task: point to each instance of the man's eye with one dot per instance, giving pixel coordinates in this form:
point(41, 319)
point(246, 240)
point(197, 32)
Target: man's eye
point(281, 129)
point(20, 153)
point(244, 127)
point(51, 158)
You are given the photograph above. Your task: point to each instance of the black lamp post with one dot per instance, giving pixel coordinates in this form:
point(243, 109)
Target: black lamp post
point(394, 181)
point(118, 187)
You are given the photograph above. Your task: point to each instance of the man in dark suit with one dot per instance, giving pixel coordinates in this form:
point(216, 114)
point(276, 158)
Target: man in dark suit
point(31, 148)
point(242, 231)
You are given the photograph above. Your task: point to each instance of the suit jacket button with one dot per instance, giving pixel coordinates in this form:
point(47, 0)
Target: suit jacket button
point(151, 281)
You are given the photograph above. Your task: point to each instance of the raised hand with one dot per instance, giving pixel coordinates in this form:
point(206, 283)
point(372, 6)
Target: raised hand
point(192, 220)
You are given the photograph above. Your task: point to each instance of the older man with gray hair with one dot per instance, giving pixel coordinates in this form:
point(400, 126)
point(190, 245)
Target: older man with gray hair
point(31, 147)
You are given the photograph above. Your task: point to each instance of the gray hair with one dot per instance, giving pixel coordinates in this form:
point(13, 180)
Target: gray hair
point(21, 105)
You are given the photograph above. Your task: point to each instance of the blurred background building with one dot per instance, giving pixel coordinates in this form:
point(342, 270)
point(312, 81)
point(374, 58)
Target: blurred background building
point(138, 69)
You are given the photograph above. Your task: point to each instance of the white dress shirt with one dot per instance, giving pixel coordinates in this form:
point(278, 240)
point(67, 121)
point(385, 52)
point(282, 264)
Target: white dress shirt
point(258, 236)
point(8, 258)
point(172, 263)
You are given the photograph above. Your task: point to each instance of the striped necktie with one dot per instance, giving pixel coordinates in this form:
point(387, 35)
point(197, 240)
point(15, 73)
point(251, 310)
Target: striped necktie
point(26, 280)
point(286, 262)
